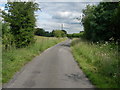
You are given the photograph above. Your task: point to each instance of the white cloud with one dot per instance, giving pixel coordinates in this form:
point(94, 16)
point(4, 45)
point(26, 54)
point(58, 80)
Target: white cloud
point(55, 14)
point(77, 0)
point(64, 14)
point(1, 7)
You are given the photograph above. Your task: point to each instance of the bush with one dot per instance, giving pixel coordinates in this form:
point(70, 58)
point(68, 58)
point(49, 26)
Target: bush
point(8, 40)
point(22, 21)
point(99, 61)
point(100, 23)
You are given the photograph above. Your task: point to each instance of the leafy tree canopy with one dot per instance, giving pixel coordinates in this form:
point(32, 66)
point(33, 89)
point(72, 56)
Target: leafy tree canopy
point(21, 18)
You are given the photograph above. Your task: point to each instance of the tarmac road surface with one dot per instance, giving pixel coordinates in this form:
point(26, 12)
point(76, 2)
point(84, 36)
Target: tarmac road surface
point(54, 68)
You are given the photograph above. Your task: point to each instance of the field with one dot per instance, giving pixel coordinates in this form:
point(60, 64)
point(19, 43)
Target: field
point(98, 61)
point(13, 60)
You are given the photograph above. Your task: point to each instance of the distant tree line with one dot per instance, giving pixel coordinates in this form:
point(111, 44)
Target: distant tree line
point(57, 33)
point(76, 35)
point(102, 22)
point(42, 32)
point(54, 33)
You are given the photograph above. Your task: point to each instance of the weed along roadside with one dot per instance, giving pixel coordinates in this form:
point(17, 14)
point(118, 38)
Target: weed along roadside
point(54, 68)
point(14, 59)
point(29, 28)
point(98, 61)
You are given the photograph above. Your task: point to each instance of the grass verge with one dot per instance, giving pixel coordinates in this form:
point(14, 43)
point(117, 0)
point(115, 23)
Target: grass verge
point(98, 61)
point(14, 59)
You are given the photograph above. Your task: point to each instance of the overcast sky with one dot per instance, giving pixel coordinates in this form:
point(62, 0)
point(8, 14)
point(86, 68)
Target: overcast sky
point(53, 14)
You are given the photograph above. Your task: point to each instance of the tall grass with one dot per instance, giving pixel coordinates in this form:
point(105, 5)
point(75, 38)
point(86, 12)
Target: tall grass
point(14, 59)
point(0, 61)
point(99, 62)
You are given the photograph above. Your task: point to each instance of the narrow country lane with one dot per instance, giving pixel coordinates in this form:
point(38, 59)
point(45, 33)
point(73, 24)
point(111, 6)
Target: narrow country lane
point(54, 68)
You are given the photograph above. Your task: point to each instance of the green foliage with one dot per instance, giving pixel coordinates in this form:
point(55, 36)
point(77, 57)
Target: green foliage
point(69, 35)
point(22, 21)
point(42, 32)
point(115, 24)
point(7, 37)
point(98, 20)
point(39, 32)
point(59, 33)
point(14, 59)
point(82, 34)
point(99, 61)
point(54, 33)
point(0, 29)
point(76, 35)
point(88, 21)
point(48, 34)
point(64, 31)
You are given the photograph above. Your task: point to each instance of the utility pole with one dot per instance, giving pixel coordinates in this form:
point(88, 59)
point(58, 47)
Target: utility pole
point(61, 26)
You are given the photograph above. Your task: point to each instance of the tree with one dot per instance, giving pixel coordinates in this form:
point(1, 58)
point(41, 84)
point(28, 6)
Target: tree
point(47, 34)
point(115, 24)
point(97, 21)
point(0, 29)
point(58, 33)
point(88, 22)
point(40, 32)
point(64, 31)
point(76, 35)
point(7, 36)
point(69, 35)
point(22, 21)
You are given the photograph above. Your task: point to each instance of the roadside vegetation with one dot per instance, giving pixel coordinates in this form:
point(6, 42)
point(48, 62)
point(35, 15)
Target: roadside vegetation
point(76, 35)
point(14, 59)
point(19, 24)
point(101, 22)
point(54, 33)
point(98, 61)
point(98, 50)
point(19, 43)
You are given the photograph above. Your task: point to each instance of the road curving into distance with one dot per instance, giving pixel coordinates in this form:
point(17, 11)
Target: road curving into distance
point(54, 68)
